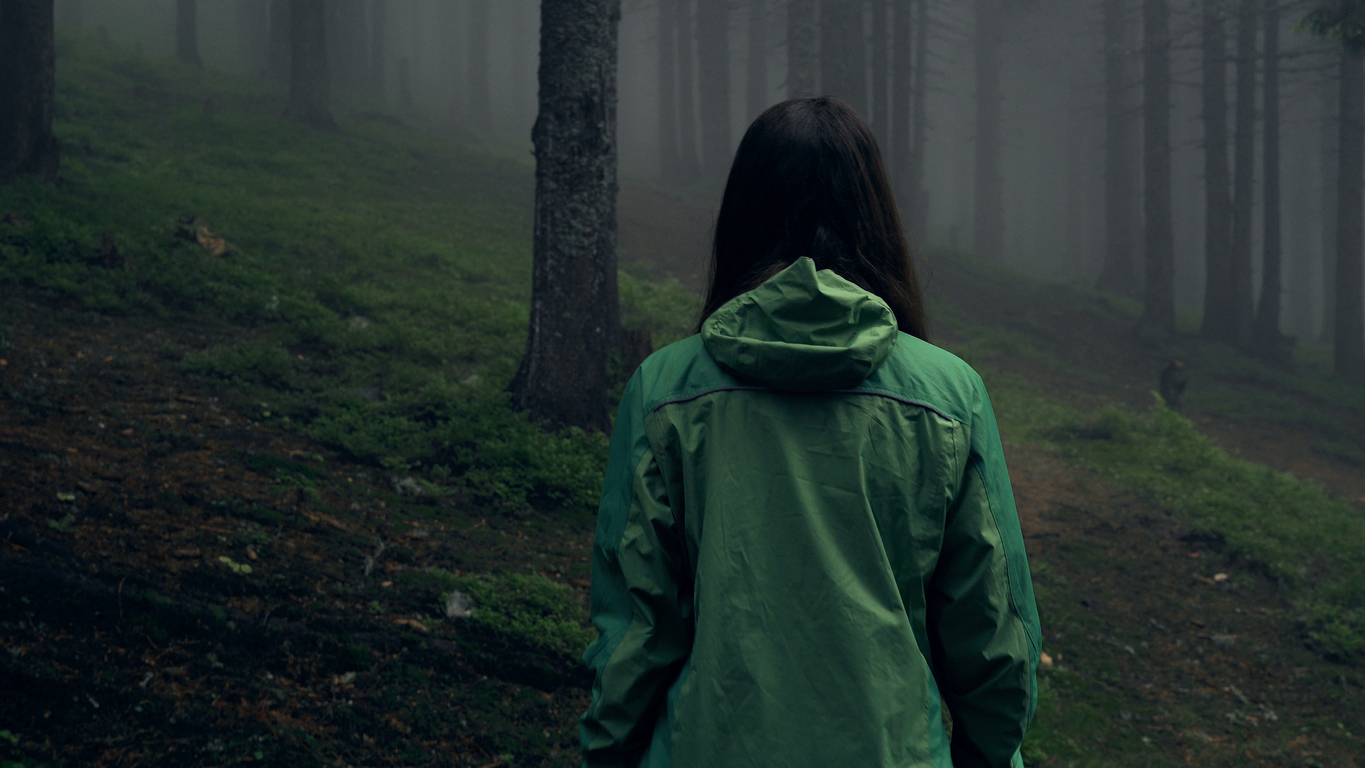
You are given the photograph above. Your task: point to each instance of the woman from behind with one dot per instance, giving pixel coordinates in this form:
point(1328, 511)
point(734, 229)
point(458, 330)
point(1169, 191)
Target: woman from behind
point(807, 544)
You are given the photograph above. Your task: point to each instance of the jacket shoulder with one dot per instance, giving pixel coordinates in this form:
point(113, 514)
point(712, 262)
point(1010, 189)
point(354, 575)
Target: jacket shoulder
point(931, 376)
point(681, 371)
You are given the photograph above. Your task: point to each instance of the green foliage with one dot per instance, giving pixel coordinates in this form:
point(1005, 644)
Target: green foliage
point(247, 362)
point(667, 310)
point(1340, 20)
point(532, 608)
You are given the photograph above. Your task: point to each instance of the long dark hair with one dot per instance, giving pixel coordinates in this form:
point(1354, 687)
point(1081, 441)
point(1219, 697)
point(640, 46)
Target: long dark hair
point(808, 180)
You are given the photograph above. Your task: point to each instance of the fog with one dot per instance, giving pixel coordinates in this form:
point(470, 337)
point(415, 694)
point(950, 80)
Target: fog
point(1051, 119)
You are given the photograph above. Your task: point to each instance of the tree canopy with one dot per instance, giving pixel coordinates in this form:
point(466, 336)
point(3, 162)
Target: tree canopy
point(1340, 20)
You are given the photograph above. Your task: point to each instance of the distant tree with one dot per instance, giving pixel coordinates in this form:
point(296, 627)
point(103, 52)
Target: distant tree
point(668, 91)
point(802, 37)
point(347, 40)
point(575, 312)
point(27, 90)
point(689, 163)
point(713, 49)
point(279, 55)
point(187, 33)
point(1244, 172)
point(879, 111)
point(405, 100)
point(756, 60)
point(1268, 339)
point(379, 14)
point(1220, 320)
point(843, 53)
point(71, 14)
point(253, 28)
point(900, 109)
point(1330, 164)
point(310, 93)
point(919, 208)
point(1348, 338)
point(989, 217)
point(1158, 312)
point(480, 98)
point(1119, 273)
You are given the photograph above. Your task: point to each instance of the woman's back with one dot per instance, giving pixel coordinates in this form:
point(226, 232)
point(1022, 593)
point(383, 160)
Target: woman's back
point(807, 533)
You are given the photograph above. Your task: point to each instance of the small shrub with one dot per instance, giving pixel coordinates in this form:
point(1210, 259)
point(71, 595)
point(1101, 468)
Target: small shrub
point(248, 362)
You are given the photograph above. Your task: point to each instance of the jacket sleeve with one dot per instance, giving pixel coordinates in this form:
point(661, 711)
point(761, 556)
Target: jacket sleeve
point(983, 622)
point(645, 628)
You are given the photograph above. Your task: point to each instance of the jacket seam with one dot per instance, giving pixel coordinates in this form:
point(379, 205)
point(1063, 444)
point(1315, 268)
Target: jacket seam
point(869, 392)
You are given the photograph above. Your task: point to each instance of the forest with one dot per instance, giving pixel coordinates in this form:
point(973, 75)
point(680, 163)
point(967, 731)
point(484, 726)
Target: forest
point(315, 316)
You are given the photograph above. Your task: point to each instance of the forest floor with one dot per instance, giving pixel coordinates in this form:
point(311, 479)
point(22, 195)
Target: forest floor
point(194, 572)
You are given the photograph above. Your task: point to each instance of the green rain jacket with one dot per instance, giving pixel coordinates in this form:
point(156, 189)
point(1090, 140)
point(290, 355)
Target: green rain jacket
point(807, 544)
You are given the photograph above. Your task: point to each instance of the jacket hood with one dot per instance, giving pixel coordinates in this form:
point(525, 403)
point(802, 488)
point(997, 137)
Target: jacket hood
point(803, 330)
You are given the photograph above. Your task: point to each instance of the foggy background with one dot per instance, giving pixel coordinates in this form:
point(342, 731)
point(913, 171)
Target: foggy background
point(1052, 109)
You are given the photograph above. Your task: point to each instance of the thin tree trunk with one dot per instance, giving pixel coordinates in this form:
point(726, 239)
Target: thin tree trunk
point(480, 99)
point(253, 26)
point(1331, 168)
point(378, 47)
point(1268, 336)
point(1244, 174)
point(689, 166)
point(919, 211)
point(1119, 273)
point(27, 90)
point(310, 93)
point(878, 106)
point(187, 33)
point(668, 93)
point(756, 71)
point(843, 53)
point(575, 314)
point(1349, 339)
point(278, 64)
point(1220, 321)
point(990, 214)
point(348, 44)
point(901, 112)
point(1158, 312)
point(801, 49)
point(713, 48)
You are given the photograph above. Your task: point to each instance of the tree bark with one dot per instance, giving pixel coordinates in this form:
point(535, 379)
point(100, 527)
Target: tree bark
point(253, 25)
point(480, 98)
point(1348, 348)
point(27, 90)
point(989, 224)
point(843, 53)
point(668, 92)
point(689, 165)
point(310, 93)
point(801, 49)
point(1220, 321)
point(756, 74)
point(877, 104)
point(277, 67)
point(900, 110)
point(713, 49)
point(575, 314)
point(1158, 312)
point(1244, 175)
point(378, 47)
point(919, 211)
point(187, 33)
point(1119, 273)
point(1268, 337)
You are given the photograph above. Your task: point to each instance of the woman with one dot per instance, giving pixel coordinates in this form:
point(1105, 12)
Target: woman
point(807, 542)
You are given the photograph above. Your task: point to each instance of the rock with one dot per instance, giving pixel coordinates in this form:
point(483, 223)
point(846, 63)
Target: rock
point(457, 606)
point(408, 486)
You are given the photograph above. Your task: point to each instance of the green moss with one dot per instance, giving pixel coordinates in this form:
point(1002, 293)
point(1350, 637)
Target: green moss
point(532, 608)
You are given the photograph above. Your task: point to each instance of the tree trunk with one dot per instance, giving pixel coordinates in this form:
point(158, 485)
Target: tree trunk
point(877, 105)
point(843, 53)
point(27, 90)
point(1244, 174)
point(689, 166)
point(988, 240)
point(801, 49)
point(187, 33)
point(756, 75)
point(1220, 321)
point(713, 49)
point(1119, 273)
point(1268, 337)
point(277, 67)
point(575, 314)
point(310, 93)
point(1349, 338)
point(348, 44)
point(378, 47)
point(919, 211)
point(1331, 167)
point(900, 110)
point(668, 93)
point(480, 99)
point(1158, 312)
point(253, 26)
